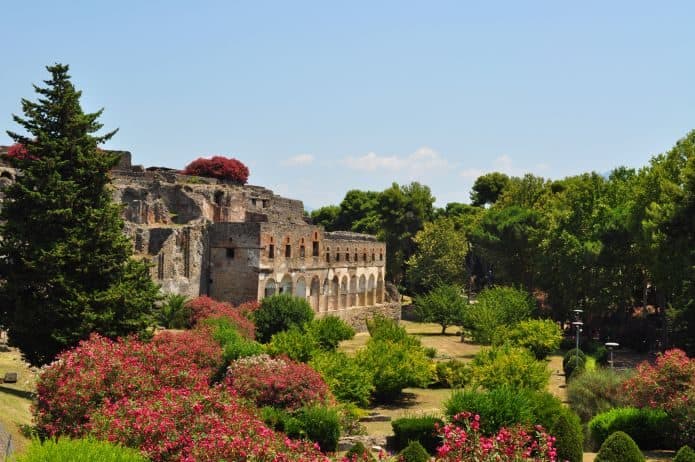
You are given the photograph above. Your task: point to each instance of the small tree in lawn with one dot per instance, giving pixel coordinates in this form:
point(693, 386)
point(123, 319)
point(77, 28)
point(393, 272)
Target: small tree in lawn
point(443, 305)
point(65, 262)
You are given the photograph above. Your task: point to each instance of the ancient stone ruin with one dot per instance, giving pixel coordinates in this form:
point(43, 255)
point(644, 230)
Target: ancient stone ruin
point(238, 243)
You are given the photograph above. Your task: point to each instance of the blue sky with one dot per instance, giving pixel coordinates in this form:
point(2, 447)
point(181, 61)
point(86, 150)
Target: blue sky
point(321, 97)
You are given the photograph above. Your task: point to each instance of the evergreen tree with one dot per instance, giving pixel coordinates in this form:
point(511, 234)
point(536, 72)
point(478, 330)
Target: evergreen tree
point(65, 263)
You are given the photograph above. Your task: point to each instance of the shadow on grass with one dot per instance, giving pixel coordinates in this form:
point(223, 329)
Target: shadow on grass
point(19, 393)
point(405, 400)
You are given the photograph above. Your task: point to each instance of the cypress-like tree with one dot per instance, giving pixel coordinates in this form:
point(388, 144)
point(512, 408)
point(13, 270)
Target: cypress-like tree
point(65, 264)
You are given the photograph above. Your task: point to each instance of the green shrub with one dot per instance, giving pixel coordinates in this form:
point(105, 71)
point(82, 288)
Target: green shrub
point(321, 425)
point(685, 454)
point(294, 343)
point(78, 450)
point(443, 305)
point(571, 355)
point(382, 328)
point(594, 392)
point(234, 345)
point(414, 452)
point(499, 407)
point(280, 420)
point(430, 352)
point(174, 314)
point(453, 374)
point(497, 306)
point(540, 336)
point(601, 355)
point(509, 366)
point(280, 312)
point(345, 376)
point(573, 363)
point(569, 436)
point(421, 429)
point(394, 366)
point(650, 428)
point(329, 331)
point(619, 447)
point(358, 453)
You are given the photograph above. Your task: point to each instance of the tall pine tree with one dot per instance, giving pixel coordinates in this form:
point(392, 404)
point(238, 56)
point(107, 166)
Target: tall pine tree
point(65, 263)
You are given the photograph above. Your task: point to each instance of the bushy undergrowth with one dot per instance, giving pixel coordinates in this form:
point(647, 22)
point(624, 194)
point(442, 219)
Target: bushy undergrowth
point(234, 345)
point(540, 336)
point(452, 374)
point(495, 307)
point(650, 428)
point(277, 382)
point(358, 453)
point(509, 366)
point(294, 343)
point(347, 379)
point(78, 450)
point(596, 391)
point(203, 308)
point(414, 452)
point(685, 454)
point(329, 331)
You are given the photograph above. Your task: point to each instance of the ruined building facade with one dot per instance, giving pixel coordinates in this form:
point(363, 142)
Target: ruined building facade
point(238, 243)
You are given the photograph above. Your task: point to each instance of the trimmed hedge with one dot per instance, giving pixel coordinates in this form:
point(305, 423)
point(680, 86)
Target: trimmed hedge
point(619, 447)
point(421, 429)
point(569, 436)
point(414, 452)
point(649, 428)
point(78, 450)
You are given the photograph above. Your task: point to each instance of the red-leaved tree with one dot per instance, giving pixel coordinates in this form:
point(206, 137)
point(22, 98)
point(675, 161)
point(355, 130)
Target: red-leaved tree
point(219, 167)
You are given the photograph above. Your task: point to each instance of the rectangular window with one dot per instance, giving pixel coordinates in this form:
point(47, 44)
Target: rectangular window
point(288, 251)
point(337, 257)
point(271, 251)
point(347, 256)
point(301, 251)
point(372, 256)
point(328, 257)
point(315, 249)
point(356, 256)
point(230, 252)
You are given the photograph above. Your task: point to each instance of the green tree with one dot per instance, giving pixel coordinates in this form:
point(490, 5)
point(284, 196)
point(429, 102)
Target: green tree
point(443, 305)
point(440, 257)
point(326, 217)
point(65, 261)
point(488, 188)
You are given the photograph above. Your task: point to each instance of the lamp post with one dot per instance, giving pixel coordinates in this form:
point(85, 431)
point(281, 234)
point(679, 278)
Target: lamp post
point(578, 324)
point(611, 346)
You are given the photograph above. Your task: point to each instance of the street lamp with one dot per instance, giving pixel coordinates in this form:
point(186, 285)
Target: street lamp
point(578, 325)
point(611, 346)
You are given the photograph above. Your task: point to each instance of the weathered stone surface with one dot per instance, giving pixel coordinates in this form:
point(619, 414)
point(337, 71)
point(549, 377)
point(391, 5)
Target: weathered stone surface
point(10, 377)
point(346, 442)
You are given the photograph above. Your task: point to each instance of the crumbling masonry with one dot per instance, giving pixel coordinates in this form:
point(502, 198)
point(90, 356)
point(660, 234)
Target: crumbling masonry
point(238, 243)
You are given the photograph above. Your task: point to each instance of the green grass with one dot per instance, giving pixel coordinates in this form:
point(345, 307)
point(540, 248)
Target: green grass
point(79, 450)
point(16, 398)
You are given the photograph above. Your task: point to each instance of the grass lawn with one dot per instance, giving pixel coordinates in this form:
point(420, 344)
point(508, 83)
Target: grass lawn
point(16, 398)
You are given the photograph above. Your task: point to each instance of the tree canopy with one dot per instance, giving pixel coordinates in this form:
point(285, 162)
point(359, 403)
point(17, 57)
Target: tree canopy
point(65, 262)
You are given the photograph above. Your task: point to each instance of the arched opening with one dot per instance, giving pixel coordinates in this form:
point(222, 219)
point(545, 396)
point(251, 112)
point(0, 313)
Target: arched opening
point(6, 174)
point(286, 285)
point(270, 288)
point(344, 292)
point(371, 288)
point(362, 291)
point(325, 288)
point(300, 288)
point(352, 294)
point(314, 293)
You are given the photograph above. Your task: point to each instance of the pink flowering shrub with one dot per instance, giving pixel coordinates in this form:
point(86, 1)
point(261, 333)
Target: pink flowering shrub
point(205, 308)
point(277, 382)
point(71, 388)
point(462, 441)
point(219, 167)
point(18, 151)
point(202, 424)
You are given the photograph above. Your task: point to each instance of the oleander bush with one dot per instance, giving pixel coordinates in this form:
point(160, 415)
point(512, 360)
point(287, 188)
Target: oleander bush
point(649, 428)
point(320, 424)
point(463, 441)
point(202, 308)
point(201, 424)
point(358, 453)
point(500, 407)
point(424, 429)
point(594, 392)
point(280, 312)
point(329, 331)
point(508, 366)
point(234, 345)
point(347, 379)
point(219, 167)
point(78, 450)
point(277, 382)
point(619, 447)
point(294, 343)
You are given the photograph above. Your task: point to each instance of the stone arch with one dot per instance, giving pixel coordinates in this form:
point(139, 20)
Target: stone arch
point(286, 285)
point(333, 294)
point(270, 288)
point(325, 289)
point(362, 291)
point(314, 290)
point(371, 288)
point(300, 288)
point(380, 288)
point(352, 293)
point(344, 292)
point(6, 174)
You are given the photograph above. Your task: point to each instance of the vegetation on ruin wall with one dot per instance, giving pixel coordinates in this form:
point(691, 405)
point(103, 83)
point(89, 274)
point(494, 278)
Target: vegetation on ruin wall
point(65, 262)
point(222, 168)
point(602, 243)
